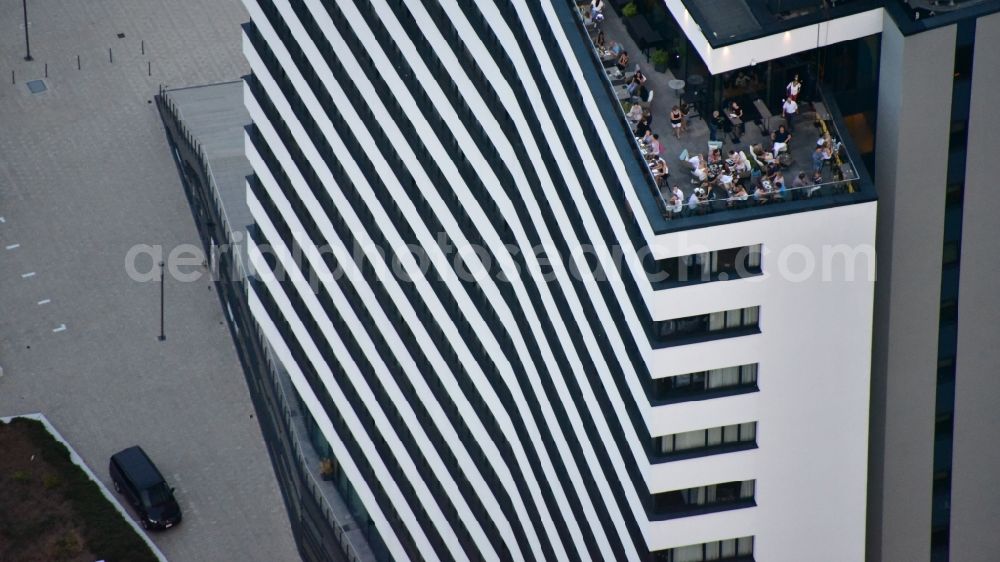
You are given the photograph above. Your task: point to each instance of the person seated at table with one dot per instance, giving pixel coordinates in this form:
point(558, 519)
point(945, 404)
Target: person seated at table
point(700, 171)
point(818, 158)
point(778, 177)
point(647, 139)
point(781, 138)
point(740, 193)
point(597, 10)
point(779, 191)
point(725, 180)
point(704, 195)
point(760, 194)
point(695, 160)
point(638, 79)
point(773, 168)
point(656, 146)
point(715, 157)
point(641, 93)
point(635, 113)
point(622, 63)
point(660, 171)
point(600, 41)
point(740, 164)
point(826, 143)
point(676, 191)
point(642, 127)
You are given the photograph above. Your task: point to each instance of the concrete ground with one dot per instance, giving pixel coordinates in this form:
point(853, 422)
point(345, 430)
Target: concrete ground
point(85, 175)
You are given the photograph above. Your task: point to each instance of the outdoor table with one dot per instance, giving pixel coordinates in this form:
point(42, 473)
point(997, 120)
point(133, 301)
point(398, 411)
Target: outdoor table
point(676, 85)
point(821, 112)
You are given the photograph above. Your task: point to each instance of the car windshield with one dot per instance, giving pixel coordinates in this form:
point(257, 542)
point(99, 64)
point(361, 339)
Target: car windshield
point(156, 495)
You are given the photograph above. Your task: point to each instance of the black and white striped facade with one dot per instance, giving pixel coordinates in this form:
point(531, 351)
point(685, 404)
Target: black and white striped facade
point(509, 404)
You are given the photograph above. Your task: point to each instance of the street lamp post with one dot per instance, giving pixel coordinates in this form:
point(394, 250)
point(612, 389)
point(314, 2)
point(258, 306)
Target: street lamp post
point(163, 336)
point(27, 43)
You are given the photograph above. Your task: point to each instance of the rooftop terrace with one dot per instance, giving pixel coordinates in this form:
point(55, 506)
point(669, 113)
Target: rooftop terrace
point(842, 178)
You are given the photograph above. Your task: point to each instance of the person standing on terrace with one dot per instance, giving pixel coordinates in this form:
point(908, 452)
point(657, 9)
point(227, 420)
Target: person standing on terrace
point(789, 108)
point(676, 119)
point(793, 88)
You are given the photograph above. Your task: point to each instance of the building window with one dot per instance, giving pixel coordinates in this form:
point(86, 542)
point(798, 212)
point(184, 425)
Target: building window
point(702, 499)
point(705, 384)
point(705, 441)
point(731, 263)
point(679, 330)
point(740, 549)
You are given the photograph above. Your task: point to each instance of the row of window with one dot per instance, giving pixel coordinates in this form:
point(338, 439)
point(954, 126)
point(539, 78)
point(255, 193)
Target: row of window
point(704, 384)
point(732, 550)
point(718, 265)
point(702, 499)
point(705, 440)
point(706, 326)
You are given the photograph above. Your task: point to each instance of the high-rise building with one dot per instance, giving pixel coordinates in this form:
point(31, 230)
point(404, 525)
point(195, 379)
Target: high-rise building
point(508, 337)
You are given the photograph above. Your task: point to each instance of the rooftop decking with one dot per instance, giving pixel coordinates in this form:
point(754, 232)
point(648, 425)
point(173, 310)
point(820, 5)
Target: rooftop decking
point(843, 182)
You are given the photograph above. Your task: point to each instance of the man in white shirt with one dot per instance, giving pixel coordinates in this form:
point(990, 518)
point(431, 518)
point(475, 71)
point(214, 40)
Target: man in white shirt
point(693, 203)
point(789, 109)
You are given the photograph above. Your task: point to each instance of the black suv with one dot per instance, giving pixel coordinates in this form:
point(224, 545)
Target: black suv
point(136, 477)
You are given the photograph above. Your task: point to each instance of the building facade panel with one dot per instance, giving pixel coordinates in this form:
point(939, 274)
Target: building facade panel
point(975, 507)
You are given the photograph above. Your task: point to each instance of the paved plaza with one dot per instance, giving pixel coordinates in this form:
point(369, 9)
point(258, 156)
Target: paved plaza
point(85, 175)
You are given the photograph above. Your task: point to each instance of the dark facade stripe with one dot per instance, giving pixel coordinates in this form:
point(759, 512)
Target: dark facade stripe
point(961, 102)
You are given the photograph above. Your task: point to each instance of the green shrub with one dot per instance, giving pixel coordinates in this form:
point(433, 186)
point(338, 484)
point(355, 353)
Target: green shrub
point(630, 10)
point(659, 57)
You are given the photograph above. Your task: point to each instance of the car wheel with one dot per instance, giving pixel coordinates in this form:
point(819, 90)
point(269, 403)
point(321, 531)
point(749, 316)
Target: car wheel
point(118, 487)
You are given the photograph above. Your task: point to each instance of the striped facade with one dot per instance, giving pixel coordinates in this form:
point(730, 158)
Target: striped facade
point(451, 261)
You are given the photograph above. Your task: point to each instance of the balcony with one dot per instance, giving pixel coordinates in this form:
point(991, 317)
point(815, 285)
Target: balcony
point(705, 327)
point(685, 199)
point(701, 500)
